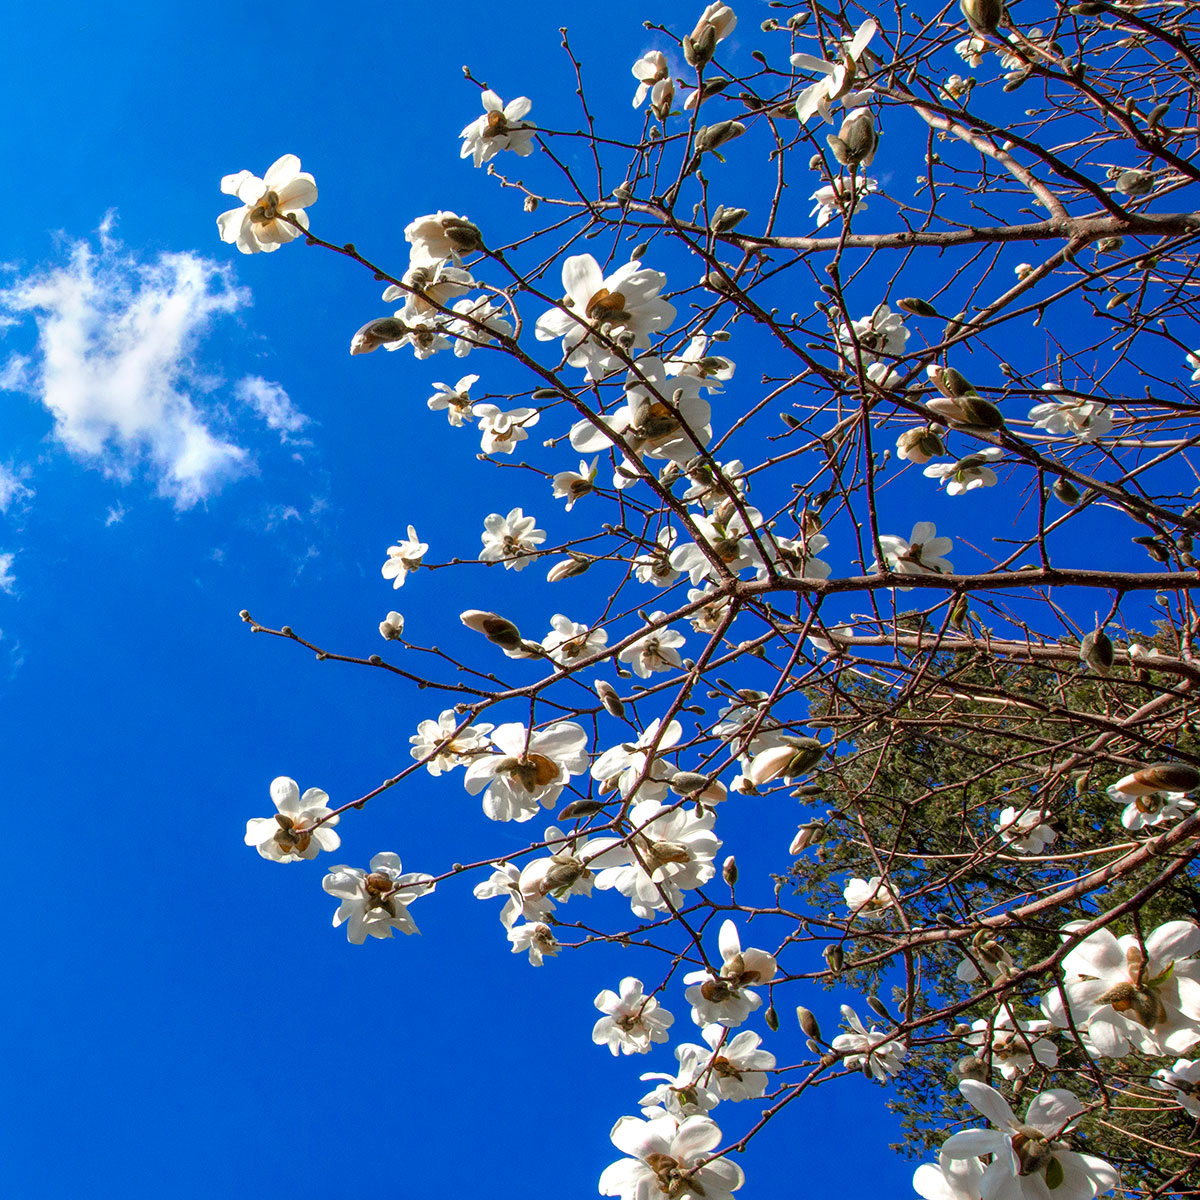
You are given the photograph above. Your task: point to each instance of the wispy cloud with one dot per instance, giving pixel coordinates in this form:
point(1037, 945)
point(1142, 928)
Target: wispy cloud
point(117, 365)
point(13, 487)
point(272, 404)
point(8, 581)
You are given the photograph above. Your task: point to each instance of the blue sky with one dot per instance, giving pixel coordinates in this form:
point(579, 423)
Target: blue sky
point(185, 436)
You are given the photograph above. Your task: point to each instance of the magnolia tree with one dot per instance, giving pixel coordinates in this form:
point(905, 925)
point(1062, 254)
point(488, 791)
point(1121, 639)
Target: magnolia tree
point(828, 276)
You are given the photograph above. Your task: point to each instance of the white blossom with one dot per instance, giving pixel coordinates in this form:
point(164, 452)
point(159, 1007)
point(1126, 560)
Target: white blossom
point(479, 323)
point(726, 998)
point(404, 557)
point(440, 748)
point(967, 473)
point(654, 651)
point(294, 832)
point(1029, 1162)
point(1158, 808)
point(833, 199)
point(1014, 1045)
point(664, 1156)
point(536, 939)
point(500, 128)
point(682, 1094)
point(1184, 1080)
point(632, 1020)
point(872, 1051)
point(511, 540)
point(1126, 998)
point(1025, 830)
point(670, 850)
point(868, 897)
point(436, 237)
point(456, 400)
point(499, 432)
point(1073, 417)
point(531, 768)
point(949, 1179)
point(623, 307)
point(921, 554)
point(653, 74)
point(284, 191)
point(428, 288)
point(568, 640)
point(838, 78)
point(391, 628)
point(713, 370)
point(655, 568)
point(375, 903)
point(572, 486)
point(739, 1067)
point(625, 765)
point(971, 50)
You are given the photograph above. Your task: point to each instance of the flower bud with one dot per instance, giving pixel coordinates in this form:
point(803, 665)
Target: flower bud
point(1096, 652)
point(465, 236)
point(919, 445)
point(857, 140)
point(609, 698)
point(712, 137)
point(1161, 777)
point(579, 808)
point(531, 204)
point(971, 1068)
point(568, 568)
point(983, 16)
point(808, 1023)
point(835, 958)
point(494, 627)
point(916, 306)
point(391, 627)
point(809, 835)
point(878, 1006)
point(725, 219)
point(376, 333)
point(771, 1017)
point(968, 412)
point(793, 758)
point(729, 871)
point(1135, 183)
point(949, 382)
point(1066, 491)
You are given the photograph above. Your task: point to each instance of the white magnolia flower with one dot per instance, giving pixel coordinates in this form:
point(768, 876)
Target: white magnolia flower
point(428, 289)
point(871, 1051)
point(479, 323)
point(456, 400)
point(501, 431)
point(797, 557)
point(1070, 416)
point(375, 903)
point(727, 535)
point(726, 999)
point(738, 1068)
point(996, 962)
point(1029, 1162)
point(404, 557)
point(922, 554)
point(713, 370)
point(949, 1179)
point(654, 79)
point(665, 1154)
point(1015, 1045)
point(1025, 830)
point(535, 938)
point(647, 424)
point(971, 50)
point(834, 199)
point(532, 768)
point(882, 334)
point(437, 237)
point(284, 191)
point(500, 128)
point(655, 651)
point(670, 851)
point(632, 1021)
point(956, 86)
point(528, 890)
point(919, 445)
point(391, 628)
point(1184, 1080)
point(1158, 808)
point(625, 765)
point(440, 748)
point(869, 897)
point(1125, 998)
point(511, 540)
point(1193, 361)
point(426, 339)
point(838, 80)
point(968, 473)
point(624, 307)
point(572, 486)
point(711, 617)
point(294, 833)
point(568, 640)
point(682, 1094)
point(709, 488)
point(655, 568)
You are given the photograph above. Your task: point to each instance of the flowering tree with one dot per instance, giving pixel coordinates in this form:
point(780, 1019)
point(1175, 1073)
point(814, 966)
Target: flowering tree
point(992, 296)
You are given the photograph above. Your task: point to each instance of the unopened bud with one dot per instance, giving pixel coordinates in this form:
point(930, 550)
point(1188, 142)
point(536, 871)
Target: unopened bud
point(771, 1017)
point(713, 137)
point(392, 626)
point(857, 140)
point(949, 382)
point(579, 808)
point(916, 306)
point(377, 333)
point(1160, 777)
point(1066, 491)
point(835, 958)
point(971, 1068)
point(808, 835)
point(983, 16)
point(609, 698)
point(1135, 183)
point(495, 628)
point(1096, 652)
point(725, 219)
point(879, 1007)
point(729, 871)
point(808, 1022)
point(568, 568)
point(531, 204)
point(794, 757)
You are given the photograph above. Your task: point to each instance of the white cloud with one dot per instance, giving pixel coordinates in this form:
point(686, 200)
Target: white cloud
point(8, 581)
point(115, 515)
point(115, 363)
point(12, 487)
point(270, 402)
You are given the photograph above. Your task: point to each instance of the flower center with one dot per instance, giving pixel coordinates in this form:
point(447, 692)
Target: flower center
point(532, 771)
point(267, 209)
point(1140, 1004)
point(497, 125)
point(292, 834)
point(606, 306)
point(670, 1179)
